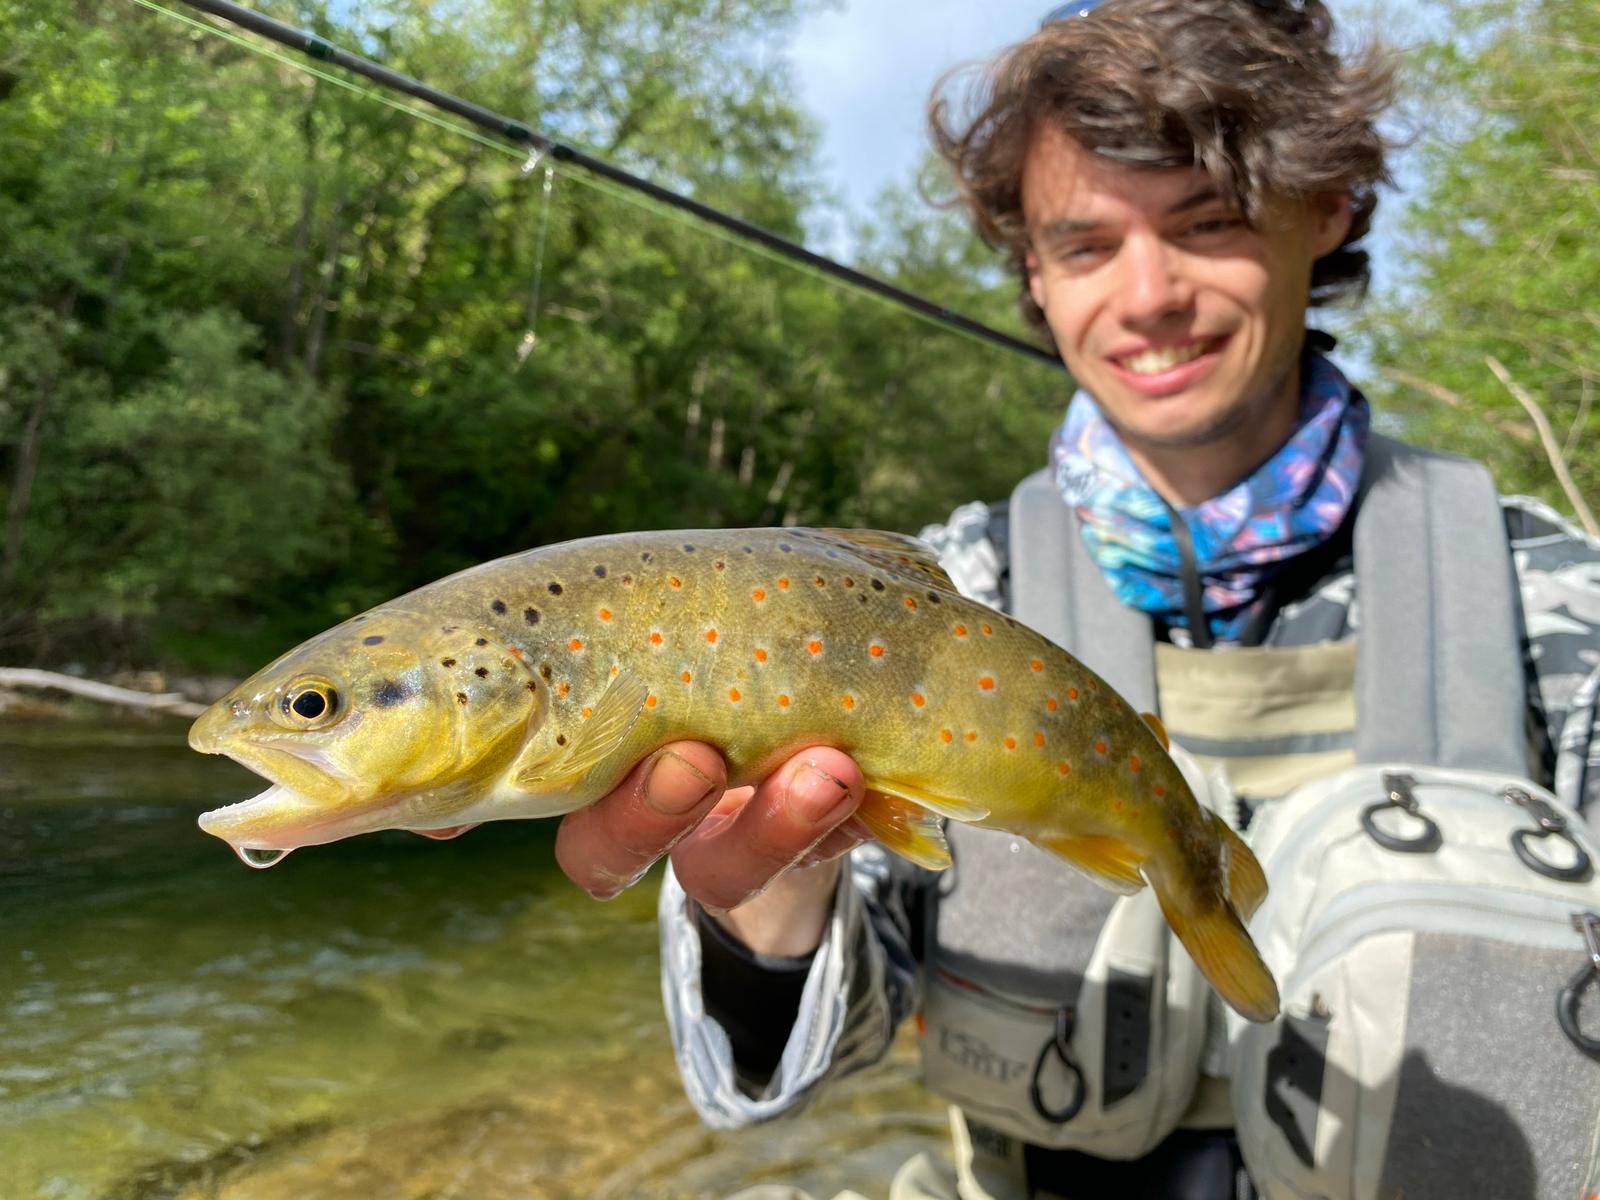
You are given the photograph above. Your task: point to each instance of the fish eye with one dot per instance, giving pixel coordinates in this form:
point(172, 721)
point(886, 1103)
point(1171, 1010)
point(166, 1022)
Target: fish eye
point(309, 704)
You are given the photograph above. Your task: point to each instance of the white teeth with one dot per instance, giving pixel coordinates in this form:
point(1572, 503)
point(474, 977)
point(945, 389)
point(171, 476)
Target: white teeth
point(1149, 362)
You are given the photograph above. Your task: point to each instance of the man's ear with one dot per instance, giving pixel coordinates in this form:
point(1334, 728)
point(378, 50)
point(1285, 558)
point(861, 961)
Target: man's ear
point(1030, 267)
point(1330, 221)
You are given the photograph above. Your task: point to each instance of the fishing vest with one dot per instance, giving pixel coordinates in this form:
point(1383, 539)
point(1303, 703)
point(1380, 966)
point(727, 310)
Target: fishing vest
point(1056, 1014)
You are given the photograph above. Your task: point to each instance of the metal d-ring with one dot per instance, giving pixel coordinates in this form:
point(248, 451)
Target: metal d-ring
point(1398, 785)
point(1061, 1046)
point(1568, 999)
point(1548, 823)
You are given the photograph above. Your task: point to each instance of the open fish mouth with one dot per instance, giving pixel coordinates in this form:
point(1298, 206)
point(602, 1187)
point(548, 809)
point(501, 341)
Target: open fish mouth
point(264, 828)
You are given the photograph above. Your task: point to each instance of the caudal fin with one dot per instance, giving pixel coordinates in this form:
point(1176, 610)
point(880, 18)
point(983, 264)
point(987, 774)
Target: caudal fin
point(1216, 939)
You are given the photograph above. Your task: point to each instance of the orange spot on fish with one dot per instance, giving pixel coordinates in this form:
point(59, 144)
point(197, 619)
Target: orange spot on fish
point(761, 655)
point(1099, 747)
point(1062, 768)
point(783, 581)
point(814, 646)
point(1158, 790)
point(946, 736)
point(586, 713)
point(563, 688)
point(650, 700)
point(613, 670)
point(575, 644)
point(820, 581)
point(961, 631)
point(515, 652)
point(986, 627)
point(1035, 664)
point(733, 694)
point(674, 581)
point(1172, 831)
point(1117, 805)
point(783, 701)
point(604, 614)
point(1011, 743)
point(759, 595)
point(875, 650)
point(918, 699)
point(711, 635)
point(686, 677)
point(1038, 738)
point(1050, 703)
point(655, 637)
point(1133, 762)
point(971, 735)
point(848, 700)
point(1092, 686)
point(987, 683)
point(910, 602)
point(1072, 693)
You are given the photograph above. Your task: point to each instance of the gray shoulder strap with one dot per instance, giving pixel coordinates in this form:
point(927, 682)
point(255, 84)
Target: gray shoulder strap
point(1438, 665)
point(1058, 590)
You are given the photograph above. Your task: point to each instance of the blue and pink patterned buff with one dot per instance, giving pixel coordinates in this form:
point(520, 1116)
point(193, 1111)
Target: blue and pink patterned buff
point(1292, 502)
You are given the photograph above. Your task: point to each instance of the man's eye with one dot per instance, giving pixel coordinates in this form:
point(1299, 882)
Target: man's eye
point(1214, 225)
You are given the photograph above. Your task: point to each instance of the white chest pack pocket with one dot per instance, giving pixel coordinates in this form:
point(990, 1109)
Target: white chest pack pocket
point(1435, 934)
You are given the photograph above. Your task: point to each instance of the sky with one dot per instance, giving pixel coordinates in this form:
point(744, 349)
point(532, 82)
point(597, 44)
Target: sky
point(865, 67)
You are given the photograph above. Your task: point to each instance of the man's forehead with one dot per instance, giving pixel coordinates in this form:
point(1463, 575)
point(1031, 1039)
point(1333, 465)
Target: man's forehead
point(1064, 182)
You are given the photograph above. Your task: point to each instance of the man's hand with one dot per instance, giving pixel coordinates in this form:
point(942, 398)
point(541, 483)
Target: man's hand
point(731, 850)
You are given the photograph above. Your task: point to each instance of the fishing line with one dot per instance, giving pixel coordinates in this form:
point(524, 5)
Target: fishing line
point(596, 174)
point(530, 339)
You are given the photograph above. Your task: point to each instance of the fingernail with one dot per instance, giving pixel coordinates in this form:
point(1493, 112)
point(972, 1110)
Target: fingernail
point(674, 786)
point(815, 796)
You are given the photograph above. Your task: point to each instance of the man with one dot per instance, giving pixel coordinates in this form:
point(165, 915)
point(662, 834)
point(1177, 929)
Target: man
point(1175, 184)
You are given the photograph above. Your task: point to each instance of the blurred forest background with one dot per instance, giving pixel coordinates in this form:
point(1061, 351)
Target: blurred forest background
point(264, 352)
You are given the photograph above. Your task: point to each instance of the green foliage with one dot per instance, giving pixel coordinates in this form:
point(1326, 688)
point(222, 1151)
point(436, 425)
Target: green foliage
point(272, 353)
point(1502, 259)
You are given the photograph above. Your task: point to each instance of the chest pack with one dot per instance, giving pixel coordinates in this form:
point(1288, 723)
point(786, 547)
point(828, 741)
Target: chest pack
point(1074, 1020)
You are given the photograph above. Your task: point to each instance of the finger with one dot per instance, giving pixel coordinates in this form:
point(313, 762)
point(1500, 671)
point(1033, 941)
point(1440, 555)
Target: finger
point(792, 811)
point(608, 845)
point(841, 841)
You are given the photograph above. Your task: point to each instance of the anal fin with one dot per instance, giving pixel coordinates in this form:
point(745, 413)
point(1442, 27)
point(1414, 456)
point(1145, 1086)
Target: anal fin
point(911, 831)
point(1110, 861)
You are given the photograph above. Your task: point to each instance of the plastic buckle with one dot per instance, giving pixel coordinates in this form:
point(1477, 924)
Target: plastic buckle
point(1567, 1001)
point(1548, 822)
point(1061, 1044)
point(1398, 785)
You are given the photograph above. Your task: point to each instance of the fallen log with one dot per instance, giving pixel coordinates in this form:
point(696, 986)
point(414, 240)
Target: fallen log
point(173, 702)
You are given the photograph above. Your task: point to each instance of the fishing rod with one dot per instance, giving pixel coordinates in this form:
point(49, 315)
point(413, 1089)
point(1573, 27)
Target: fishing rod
point(522, 134)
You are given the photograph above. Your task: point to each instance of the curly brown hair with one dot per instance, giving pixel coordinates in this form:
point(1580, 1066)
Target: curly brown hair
point(1249, 91)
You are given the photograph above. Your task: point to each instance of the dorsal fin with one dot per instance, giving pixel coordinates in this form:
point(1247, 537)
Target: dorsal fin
point(1158, 729)
point(897, 551)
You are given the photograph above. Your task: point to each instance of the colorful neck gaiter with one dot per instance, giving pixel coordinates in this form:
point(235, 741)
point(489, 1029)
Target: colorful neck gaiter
point(1290, 503)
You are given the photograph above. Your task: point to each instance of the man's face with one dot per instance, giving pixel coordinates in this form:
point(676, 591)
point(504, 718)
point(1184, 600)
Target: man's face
point(1179, 318)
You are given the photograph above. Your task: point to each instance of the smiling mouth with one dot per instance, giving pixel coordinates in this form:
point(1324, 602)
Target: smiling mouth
point(1164, 358)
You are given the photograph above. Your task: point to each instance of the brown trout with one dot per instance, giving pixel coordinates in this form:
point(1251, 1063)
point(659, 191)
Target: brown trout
point(529, 686)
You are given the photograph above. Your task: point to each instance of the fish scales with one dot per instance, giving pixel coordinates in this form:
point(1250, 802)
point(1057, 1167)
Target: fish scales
point(531, 685)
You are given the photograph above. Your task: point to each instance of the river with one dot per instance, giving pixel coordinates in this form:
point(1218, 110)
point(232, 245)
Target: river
point(386, 1017)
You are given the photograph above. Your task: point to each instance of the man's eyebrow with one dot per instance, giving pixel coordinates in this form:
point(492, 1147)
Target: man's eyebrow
point(1066, 227)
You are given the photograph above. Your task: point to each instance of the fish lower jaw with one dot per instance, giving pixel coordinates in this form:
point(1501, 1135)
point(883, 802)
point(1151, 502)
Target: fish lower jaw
point(272, 823)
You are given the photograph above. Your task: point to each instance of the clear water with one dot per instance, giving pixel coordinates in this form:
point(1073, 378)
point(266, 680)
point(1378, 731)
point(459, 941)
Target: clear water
point(385, 1017)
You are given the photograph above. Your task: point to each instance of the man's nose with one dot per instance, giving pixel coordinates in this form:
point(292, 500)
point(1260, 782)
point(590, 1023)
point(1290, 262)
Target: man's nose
point(1152, 287)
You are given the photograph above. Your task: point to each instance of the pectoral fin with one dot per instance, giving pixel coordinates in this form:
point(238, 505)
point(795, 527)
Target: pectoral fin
point(591, 741)
point(911, 831)
point(945, 806)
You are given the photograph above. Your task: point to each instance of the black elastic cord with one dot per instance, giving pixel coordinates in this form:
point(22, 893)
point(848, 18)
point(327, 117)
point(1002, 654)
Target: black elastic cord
point(1193, 590)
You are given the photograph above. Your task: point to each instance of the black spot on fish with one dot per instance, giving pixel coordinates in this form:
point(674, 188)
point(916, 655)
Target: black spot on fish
point(375, 640)
point(687, 548)
point(499, 607)
point(447, 662)
point(482, 672)
point(748, 549)
point(830, 554)
point(555, 589)
point(461, 697)
point(877, 585)
point(644, 556)
point(933, 598)
point(862, 597)
point(531, 615)
point(785, 547)
point(561, 739)
point(545, 671)
point(481, 642)
point(389, 693)
point(532, 686)
point(599, 572)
